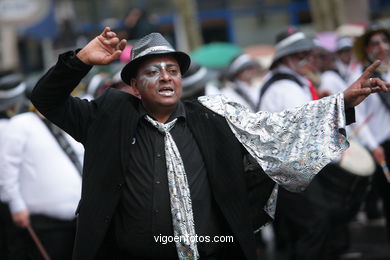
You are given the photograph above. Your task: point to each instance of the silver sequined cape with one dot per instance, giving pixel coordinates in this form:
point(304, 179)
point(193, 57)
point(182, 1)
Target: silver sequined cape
point(291, 146)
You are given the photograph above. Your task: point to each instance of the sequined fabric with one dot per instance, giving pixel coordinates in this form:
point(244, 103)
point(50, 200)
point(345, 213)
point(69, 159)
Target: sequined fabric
point(291, 146)
point(180, 197)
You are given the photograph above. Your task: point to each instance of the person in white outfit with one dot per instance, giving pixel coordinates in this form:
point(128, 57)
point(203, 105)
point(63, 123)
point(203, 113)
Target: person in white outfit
point(372, 45)
point(40, 180)
point(346, 63)
point(242, 83)
point(12, 90)
point(303, 221)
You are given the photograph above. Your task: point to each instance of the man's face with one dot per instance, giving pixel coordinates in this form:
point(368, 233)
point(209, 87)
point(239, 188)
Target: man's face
point(158, 82)
point(248, 75)
point(301, 62)
point(378, 47)
point(345, 56)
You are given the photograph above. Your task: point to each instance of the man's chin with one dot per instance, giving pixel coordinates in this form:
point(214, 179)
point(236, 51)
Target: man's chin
point(169, 101)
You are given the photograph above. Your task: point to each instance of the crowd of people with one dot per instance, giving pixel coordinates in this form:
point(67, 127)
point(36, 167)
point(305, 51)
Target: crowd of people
point(96, 162)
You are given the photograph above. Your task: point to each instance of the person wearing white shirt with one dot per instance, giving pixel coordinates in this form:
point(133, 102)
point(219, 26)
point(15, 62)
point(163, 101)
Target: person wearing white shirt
point(374, 44)
point(12, 90)
point(285, 93)
point(40, 183)
point(346, 63)
point(302, 220)
point(243, 85)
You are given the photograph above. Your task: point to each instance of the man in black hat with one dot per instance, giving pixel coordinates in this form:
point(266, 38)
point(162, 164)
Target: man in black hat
point(164, 179)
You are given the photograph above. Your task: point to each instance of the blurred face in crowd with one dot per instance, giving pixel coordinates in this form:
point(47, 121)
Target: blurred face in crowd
point(248, 75)
point(158, 82)
point(301, 62)
point(324, 60)
point(378, 47)
point(345, 55)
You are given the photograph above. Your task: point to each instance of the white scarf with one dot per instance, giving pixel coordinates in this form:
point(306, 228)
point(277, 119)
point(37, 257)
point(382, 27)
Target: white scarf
point(180, 197)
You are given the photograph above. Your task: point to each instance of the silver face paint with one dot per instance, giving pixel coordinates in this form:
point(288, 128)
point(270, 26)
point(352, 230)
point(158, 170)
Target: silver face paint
point(153, 73)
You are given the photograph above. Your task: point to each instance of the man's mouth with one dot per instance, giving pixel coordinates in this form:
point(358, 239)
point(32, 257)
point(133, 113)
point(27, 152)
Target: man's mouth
point(166, 91)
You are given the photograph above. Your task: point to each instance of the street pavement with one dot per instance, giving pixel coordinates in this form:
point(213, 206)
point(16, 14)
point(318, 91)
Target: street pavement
point(368, 242)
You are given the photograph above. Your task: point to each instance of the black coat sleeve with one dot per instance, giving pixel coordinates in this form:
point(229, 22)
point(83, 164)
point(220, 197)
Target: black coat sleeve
point(51, 96)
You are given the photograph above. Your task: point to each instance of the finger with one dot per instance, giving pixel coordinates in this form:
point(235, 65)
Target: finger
point(368, 72)
point(105, 31)
point(376, 89)
point(376, 82)
point(383, 86)
point(113, 42)
point(114, 56)
point(122, 44)
point(111, 34)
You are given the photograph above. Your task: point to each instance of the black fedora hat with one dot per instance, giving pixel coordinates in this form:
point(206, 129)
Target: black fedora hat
point(149, 45)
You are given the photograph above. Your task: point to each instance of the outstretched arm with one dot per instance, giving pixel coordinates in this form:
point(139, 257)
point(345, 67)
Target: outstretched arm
point(364, 86)
point(103, 49)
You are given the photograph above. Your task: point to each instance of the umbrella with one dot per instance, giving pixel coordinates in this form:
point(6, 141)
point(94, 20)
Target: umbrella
point(216, 55)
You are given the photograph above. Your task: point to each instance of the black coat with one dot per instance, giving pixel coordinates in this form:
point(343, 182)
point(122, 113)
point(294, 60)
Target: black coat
point(106, 127)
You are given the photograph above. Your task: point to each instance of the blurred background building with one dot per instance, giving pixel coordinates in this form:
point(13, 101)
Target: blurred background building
point(33, 32)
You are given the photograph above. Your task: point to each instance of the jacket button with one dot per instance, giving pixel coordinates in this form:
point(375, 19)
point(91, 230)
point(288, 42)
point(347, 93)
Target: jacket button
point(119, 186)
point(107, 219)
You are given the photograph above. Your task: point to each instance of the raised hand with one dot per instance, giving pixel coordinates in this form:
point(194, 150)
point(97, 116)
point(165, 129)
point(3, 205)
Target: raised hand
point(364, 86)
point(103, 49)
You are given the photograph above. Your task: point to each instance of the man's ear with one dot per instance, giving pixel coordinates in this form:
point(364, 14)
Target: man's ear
point(134, 86)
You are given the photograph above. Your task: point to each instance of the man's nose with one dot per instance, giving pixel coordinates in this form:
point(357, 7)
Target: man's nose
point(165, 75)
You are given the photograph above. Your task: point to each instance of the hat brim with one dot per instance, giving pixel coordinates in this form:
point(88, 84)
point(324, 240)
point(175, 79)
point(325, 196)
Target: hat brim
point(130, 70)
point(250, 64)
point(359, 43)
point(306, 44)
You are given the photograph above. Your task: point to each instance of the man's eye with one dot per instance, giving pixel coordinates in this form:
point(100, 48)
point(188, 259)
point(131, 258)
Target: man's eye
point(151, 73)
point(173, 72)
